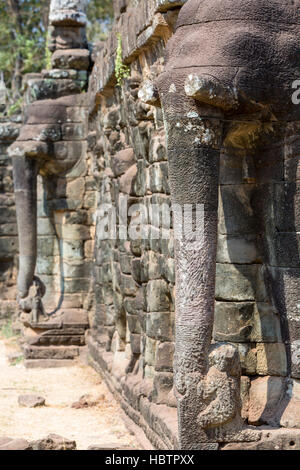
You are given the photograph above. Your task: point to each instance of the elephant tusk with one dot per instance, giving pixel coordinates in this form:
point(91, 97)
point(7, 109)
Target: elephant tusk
point(209, 90)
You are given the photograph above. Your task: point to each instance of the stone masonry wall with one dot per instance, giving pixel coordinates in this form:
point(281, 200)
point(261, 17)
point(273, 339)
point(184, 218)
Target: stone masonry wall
point(134, 279)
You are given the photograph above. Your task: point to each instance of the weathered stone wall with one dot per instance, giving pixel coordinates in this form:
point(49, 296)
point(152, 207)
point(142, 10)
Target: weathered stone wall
point(132, 335)
point(9, 131)
point(246, 312)
point(65, 225)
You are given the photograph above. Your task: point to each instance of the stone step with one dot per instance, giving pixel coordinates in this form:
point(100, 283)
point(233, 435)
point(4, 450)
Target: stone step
point(50, 352)
point(48, 363)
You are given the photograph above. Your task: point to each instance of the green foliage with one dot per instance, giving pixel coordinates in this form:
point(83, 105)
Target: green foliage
point(7, 330)
point(24, 38)
point(23, 26)
point(48, 54)
point(17, 360)
point(121, 70)
point(15, 107)
point(99, 14)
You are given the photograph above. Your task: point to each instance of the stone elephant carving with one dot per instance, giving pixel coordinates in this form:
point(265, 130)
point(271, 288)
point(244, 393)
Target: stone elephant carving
point(38, 150)
point(227, 86)
point(48, 144)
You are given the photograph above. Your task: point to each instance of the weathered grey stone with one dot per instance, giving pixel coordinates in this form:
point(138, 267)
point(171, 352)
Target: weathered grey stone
point(53, 442)
point(159, 326)
point(41, 132)
point(78, 59)
point(135, 343)
point(248, 358)
point(48, 363)
point(240, 282)
point(290, 417)
point(74, 131)
point(162, 385)
point(40, 89)
point(158, 296)
point(279, 439)
point(295, 359)
point(129, 286)
point(238, 249)
point(125, 263)
point(31, 401)
point(127, 180)
point(14, 444)
point(266, 395)
point(122, 161)
point(164, 356)
point(271, 359)
point(232, 219)
point(67, 12)
point(158, 178)
point(246, 321)
point(150, 351)
point(54, 352)
point(134, 324)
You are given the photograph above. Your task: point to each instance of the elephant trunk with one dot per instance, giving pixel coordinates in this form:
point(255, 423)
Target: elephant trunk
point(194, 135)
point(25, 185)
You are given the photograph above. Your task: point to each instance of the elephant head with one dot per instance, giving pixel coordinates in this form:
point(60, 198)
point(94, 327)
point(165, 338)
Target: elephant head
point(228, 76)
point(39, 149)
point(50, 139)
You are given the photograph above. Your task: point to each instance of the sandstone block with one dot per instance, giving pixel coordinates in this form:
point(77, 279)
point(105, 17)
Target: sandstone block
point(159, 326)
point(54, 352)
point(238, 249)
point(31, 401)
point(48, 363)
point(150, 351)
point(53, 442)
point(246, 321)
point(271, 359)
point(295, 358)
point(127, 179)
point(51, 133)
point(236, 210)
point(14, 444)
point(266, 395)
point(122, 161)
point(164, 357)
point(135, 343)
point(77, 59)
point(158, 296)
point(240, 282)
point(290, 417)
point(162, 385)
point(74, 131)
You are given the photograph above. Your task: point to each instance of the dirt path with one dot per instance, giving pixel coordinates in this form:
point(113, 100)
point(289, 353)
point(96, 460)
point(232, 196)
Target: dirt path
point(97, 425)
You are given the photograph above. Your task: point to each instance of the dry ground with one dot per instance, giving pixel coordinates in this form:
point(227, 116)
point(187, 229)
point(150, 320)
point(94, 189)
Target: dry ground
point(98, 425)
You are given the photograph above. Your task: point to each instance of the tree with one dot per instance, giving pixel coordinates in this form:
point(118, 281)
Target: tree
point(23, 26)
point(99, 14)
point(23, 37)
